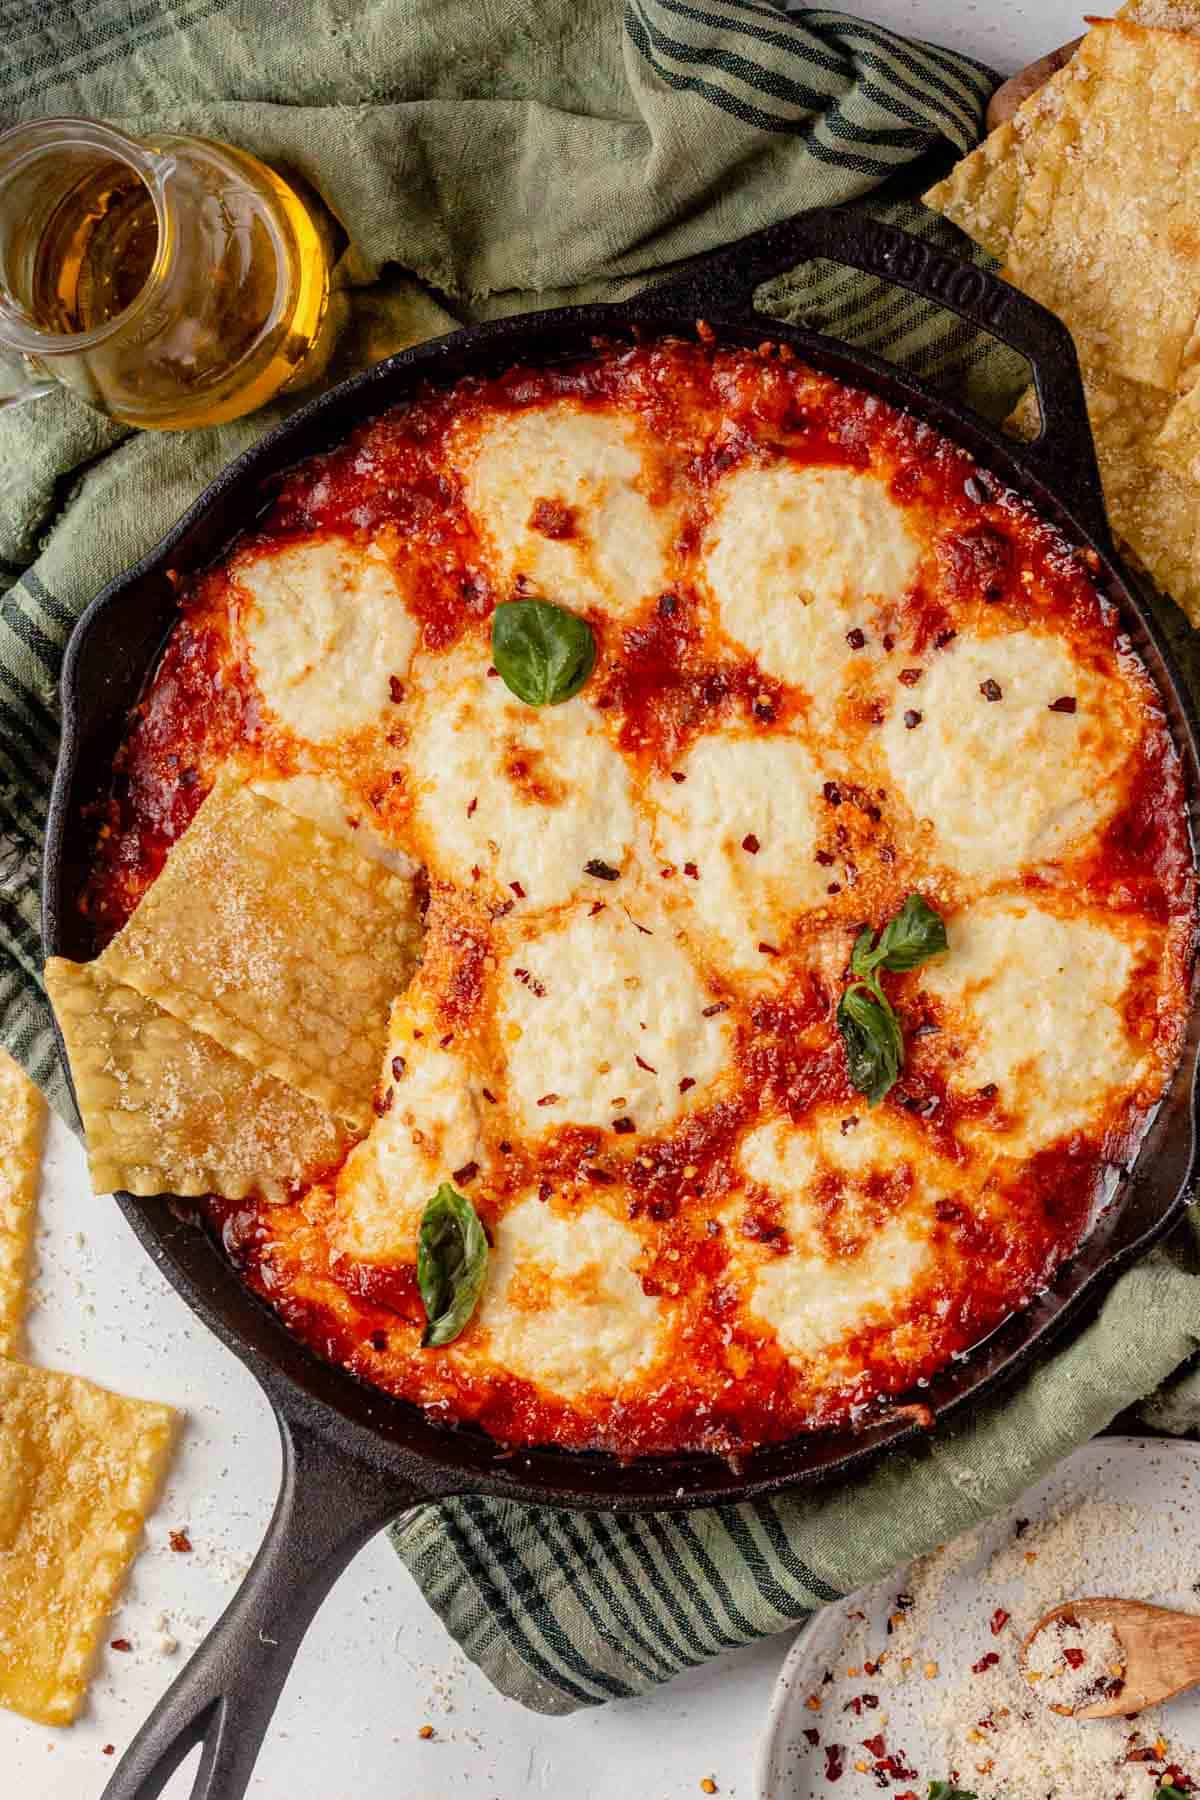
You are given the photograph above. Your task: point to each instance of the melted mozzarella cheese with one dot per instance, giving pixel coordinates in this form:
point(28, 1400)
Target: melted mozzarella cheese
point(1034, 1002)
point(431, 1128)
point(827, 1181)
point(1008, 781)
point(507, 793)
point(740, 833)
point(795, 557)
point(607, 1019)
point(603, 467)
point(323, 800)
point(563, 1305)
point(324, 628)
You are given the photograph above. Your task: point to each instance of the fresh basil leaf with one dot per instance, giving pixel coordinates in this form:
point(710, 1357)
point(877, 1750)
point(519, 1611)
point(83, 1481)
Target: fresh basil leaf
point(861, 956)
point(452, 1254)
point(871, 1033)
point(1170, 1792)
point(913, 936)
point(543, 653)
point(944, 1790)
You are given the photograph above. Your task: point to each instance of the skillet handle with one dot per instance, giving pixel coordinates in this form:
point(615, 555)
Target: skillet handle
point(330, 1502)
point(1062, 456)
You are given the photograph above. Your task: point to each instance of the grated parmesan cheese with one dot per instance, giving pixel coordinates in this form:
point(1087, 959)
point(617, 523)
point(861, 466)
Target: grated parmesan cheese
point(982, 1725)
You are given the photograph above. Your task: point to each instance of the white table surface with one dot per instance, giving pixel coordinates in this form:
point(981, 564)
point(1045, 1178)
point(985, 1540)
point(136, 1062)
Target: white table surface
point(377, 1664)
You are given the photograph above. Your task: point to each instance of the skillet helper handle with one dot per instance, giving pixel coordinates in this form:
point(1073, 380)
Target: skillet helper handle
point(1062, 456)
point(330, 1503)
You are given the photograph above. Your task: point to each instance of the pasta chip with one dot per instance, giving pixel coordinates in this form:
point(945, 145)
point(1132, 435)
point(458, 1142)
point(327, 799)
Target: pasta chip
point(79, 1471)
point(167, 1110)
point(279, 941)
point(984, 194)
point(1154, 511)
point(22, 1123)
point(1109, 232)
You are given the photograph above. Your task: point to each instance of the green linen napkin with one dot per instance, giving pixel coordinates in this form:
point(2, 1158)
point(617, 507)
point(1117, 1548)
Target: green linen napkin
point(481, 157)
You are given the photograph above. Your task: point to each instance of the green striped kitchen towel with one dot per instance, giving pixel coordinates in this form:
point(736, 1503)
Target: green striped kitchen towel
point(480, 157)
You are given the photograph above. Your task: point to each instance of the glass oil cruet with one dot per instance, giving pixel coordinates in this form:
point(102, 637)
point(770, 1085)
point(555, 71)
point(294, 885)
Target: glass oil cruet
point(168, 281)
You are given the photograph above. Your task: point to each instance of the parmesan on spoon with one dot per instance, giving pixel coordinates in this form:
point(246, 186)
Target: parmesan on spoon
point(1097, 1658)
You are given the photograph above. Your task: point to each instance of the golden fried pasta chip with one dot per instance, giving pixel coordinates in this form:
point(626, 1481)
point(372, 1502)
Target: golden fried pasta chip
point(1108, 235)
point(984, 194)
point(22, 1123)
point(1154, 511)
point(279, 941)
point(167, 1110)
point(79, 1471)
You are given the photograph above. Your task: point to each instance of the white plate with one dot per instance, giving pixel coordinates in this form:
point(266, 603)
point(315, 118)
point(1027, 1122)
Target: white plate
point(1160, 1476)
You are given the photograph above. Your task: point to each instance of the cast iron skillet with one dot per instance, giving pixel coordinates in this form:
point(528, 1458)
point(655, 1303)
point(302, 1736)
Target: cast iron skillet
point(354, 1457)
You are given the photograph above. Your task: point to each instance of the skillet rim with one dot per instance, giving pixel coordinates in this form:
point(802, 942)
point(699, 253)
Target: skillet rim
point(432, 1457)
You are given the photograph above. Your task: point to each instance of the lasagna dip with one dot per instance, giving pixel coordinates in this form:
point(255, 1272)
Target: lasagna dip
point(836, 666)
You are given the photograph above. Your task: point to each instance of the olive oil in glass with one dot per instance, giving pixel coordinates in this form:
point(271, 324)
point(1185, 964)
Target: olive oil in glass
point(169, 282)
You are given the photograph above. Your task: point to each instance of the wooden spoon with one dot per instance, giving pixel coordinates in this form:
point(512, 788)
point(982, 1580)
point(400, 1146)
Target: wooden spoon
point(1161, 1652)
point(1006, 99)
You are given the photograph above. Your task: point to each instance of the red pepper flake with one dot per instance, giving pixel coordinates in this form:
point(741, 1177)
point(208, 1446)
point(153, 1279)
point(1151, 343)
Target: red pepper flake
point(991, 690)
point(517, 889)
point(471, 805)
point(870, 1668)
point(751, 843)
point(765, 711)
point(601, 870)
point(856, 638)
point(912, 720)
point(548, 1100)
point(645, 1065)
point(877, 1745)
point(909, 677)
point(623, 1126)
point(467, 1173)
point(943, 638)
point(812, 1736)
point(677, 776)
point(121, 1644)
point(985, 1663)
point(832, 793)
point(396, 687)
point(597, 906)
point(179, 1541)
point(382, 1103)
point(688, 1081)
point(689, 868)
point(1065, 704)
point(825, 859)
point(490, 1097)
point(835, 887)
point(601, 1177)
point(398, 1067)
point(531, 982)
point(492, 672)
point(718, 1006)
point(768, 950)
point(889, 642)
point(644, 929)
point(109, 1750)
point(835, 1763)
point(445, 1042)
point(999, 1620)
point(1074, 1656)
